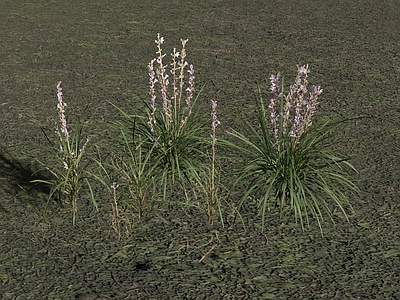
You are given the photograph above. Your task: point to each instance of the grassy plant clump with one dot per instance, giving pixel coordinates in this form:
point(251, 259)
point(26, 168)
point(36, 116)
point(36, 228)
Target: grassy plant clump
point(134, 172)
point(171, 135)
point(289, 165)
point(70, 161)
point(175, 132)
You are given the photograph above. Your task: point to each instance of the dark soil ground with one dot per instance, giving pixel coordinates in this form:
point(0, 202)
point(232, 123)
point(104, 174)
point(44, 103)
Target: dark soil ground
point(100, 49)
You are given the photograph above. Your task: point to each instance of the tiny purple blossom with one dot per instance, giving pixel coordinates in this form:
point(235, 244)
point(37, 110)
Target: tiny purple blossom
point(184, 42)
point(303, 70)
point(160, 40)
point(175, 53)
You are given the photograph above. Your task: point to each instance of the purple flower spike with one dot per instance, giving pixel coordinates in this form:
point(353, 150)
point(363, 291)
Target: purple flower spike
point(61, 112)
point(214, 123)
point(298, 109)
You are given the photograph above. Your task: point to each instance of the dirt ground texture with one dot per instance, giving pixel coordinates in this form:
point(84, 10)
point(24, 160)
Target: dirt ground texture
point(100, 50)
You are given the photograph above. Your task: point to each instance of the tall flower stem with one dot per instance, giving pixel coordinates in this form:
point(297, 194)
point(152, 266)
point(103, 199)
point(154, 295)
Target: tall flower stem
point(213, 198)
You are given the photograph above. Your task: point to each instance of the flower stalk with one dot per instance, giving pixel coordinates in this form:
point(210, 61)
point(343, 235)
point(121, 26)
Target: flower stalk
point(213, 197)
point(299, 106)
